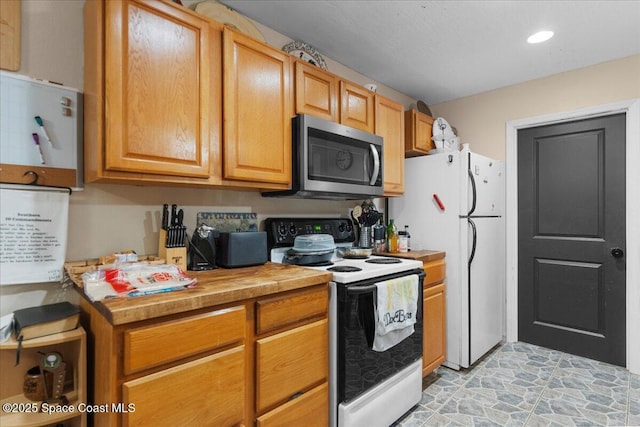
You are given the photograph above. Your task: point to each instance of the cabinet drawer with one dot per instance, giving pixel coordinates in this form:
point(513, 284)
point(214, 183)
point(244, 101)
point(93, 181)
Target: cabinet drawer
point(154, 345)
point(291, 362)
point(208, 391)
point(310, 410)
point(436, 271)
point(274, 313)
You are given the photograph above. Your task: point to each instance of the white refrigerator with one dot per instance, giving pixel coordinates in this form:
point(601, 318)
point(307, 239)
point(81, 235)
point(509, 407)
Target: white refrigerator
point(454, 201)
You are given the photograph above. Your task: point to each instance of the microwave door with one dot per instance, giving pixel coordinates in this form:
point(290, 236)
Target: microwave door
point(333, 161)
point(343, 162)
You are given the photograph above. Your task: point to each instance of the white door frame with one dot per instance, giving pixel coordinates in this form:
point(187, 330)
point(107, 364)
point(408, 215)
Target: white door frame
point(632, 254)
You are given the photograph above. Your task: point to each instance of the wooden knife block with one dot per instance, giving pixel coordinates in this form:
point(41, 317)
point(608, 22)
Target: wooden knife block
point(177, 256)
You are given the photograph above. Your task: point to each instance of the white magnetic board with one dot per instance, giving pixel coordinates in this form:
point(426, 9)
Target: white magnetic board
point(60, 109)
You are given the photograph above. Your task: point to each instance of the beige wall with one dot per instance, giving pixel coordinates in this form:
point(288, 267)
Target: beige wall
point(481, 119)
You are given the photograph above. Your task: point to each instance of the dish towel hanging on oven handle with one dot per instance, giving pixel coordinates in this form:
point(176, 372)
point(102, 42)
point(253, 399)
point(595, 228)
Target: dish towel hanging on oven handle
point(395, 311)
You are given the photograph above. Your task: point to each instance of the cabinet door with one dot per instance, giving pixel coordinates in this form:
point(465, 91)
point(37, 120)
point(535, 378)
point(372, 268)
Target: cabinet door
point(418, 133)
point(157, 84)
point(309, 410)
point(356, 106)
point(257, 111)
point(434, 341)
point(389, 124)
point(290, 363)
point(316, 92)
point(207, 391)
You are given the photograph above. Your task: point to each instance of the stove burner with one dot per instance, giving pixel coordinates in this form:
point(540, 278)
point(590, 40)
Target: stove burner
point(384, 261)
point(319, 264)
point(344, 269)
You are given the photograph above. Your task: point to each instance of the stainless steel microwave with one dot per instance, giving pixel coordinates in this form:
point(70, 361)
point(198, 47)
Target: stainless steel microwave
point(333, 161)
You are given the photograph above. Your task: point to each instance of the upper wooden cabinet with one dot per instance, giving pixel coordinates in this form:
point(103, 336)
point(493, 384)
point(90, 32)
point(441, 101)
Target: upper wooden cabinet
point(418, 131)
point(389, 124)
point(148, 91)
point(154, 100)
point(316, 91)
point(323, 94)
point(257, 111)
point(356, 106)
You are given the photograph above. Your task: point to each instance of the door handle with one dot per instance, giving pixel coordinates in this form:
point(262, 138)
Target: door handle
point(376, 164)
point(617, 253)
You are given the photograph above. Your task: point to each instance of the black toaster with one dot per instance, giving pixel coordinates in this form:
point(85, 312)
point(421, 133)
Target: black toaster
point(242, 249)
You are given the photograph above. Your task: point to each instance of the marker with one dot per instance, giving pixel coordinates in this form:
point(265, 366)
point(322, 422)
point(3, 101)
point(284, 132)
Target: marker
point(37, 141)
point(44, 131)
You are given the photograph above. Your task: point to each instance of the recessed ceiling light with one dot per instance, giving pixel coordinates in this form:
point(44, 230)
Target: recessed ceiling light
point(540, 36)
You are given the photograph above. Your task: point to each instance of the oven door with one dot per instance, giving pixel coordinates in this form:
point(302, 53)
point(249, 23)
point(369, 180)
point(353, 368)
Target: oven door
point(359, 368)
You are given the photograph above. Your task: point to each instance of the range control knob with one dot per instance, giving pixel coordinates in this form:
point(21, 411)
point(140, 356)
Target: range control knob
point(293, 230)
point(341, 227)
point(282, 230)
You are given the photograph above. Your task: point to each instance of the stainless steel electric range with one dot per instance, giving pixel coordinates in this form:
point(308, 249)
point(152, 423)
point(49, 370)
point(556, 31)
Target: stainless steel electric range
point(367, 387)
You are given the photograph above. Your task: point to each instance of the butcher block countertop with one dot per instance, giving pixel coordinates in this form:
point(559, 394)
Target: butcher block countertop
point(215, 287)
point(420, 255)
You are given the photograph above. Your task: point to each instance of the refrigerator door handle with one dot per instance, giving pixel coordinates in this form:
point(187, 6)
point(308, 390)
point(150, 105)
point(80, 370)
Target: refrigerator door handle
point(473, 192)
point(474, 234)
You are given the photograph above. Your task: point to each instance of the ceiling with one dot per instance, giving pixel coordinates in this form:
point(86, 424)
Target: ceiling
point(437, 50)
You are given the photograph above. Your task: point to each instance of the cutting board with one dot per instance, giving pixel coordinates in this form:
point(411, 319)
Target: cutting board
point(10, 34)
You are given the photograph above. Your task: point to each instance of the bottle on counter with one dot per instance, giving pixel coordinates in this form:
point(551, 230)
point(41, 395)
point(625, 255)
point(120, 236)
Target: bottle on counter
point(379, 244)
point(402, 241)
point(406, 230)
point(392, 237)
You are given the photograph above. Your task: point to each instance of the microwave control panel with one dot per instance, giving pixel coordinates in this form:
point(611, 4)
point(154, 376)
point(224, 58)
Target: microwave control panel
point(283, 231)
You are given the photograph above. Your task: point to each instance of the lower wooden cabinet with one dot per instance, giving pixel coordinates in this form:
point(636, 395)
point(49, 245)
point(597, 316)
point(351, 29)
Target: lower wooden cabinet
point(292, 358)
point(435, 321)
point(310, 410)
point(164, 342)
point(260, 360)
point(290, 363)
point(209, 391)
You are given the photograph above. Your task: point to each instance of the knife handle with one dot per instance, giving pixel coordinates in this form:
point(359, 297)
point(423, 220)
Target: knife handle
point(174, 214)
point(180, 218)
point(165, 216)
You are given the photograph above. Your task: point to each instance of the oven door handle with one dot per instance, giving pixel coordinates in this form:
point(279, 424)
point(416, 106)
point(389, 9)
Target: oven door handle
point(376, 164)
point(359, 290)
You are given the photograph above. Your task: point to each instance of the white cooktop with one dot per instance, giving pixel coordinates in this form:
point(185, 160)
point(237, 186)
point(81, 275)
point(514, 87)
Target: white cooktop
point(368, 270)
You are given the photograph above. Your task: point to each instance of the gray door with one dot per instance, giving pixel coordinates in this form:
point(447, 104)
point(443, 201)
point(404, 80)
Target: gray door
point(571, 237)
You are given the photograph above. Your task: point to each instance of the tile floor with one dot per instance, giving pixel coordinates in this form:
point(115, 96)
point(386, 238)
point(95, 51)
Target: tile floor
point(519, 384)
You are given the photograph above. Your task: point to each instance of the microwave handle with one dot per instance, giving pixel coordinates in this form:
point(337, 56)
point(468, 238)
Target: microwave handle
point(376, 164)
